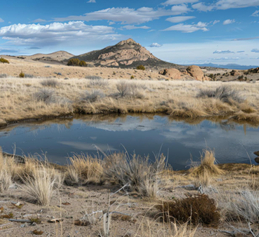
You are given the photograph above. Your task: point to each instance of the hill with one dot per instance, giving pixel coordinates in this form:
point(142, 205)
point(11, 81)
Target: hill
point(58, 56)
point(125, 54)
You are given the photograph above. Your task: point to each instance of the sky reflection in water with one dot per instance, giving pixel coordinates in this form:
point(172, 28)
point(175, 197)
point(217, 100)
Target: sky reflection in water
point(145, 136)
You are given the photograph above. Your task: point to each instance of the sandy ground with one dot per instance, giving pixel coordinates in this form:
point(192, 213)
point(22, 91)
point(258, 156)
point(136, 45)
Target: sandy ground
point(41, 69)
point(136, 215)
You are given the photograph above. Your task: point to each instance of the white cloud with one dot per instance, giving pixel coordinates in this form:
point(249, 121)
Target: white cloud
point(256, 13)
point(226, 4)
point(255, 50)
point(202, 7)
point(124, 15)
point(215, 22)
point(188, 28)
point(222, 52)
point(175, 2)
point(179, 9)
point(132, 27)
point(178, 19)
point(155, 45)
point(56, 33)
point(39, 20)
point(91, 1)
point(1, 20)
point(228, 21)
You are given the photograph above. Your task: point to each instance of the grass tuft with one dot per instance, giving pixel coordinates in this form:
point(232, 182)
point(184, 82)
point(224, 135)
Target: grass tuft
point(207, 166)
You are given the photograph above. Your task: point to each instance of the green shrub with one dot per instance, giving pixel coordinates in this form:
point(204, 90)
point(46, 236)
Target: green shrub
point(132, 77)
point(3, 60)
point(21, 75)
point(73, 62)
point(195, 209)
point(141, 67)
point(82, 64)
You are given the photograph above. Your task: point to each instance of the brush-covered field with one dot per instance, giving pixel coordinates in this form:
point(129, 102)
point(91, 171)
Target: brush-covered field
point(123, 195)
point(43, 98)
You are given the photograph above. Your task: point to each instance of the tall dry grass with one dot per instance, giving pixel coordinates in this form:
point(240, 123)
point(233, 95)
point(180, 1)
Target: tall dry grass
point(40, 187)
point(143, 175)
point(5, 174)
point(30, 98)
point(84, 168)
point(207, 166)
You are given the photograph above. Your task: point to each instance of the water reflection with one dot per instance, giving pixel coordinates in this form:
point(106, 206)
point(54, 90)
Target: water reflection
point(143, 135)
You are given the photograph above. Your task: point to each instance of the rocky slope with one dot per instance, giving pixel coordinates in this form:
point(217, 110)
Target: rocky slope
point(125, 54)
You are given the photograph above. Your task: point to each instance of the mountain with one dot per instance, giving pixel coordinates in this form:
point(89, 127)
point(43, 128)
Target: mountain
point(125, 54)
point(228, 66)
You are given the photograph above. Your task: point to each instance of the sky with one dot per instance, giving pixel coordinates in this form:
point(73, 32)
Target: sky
point(178, 31)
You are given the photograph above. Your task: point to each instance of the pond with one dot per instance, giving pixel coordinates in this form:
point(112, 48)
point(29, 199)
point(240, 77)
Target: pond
point(143, 135)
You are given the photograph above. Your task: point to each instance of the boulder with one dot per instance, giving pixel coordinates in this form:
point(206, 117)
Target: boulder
point(257, 159)
point(235, 73)
point(196, 72)
point(172, 72)
point(256, 153)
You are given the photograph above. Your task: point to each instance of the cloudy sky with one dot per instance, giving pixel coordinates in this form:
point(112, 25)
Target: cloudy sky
point(179, 31)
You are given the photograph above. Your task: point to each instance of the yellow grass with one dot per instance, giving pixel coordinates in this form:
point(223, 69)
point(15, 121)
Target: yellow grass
point(84, 168)
point(176, 98)
point(207, 167)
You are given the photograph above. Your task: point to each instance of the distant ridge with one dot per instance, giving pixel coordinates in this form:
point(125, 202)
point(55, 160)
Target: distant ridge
point(58, 56)
point(228, 66)
point(125, 54)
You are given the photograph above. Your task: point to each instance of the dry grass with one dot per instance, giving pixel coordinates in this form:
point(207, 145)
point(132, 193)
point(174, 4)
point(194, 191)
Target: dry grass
point(5, 175)
point(207, 166)
point(28, 98)
point(41, 186)
point(150, 229)
point(84, 169)
point(143, 175)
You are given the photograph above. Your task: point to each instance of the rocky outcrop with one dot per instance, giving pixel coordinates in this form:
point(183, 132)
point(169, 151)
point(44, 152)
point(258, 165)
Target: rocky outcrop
point(197, 73)
point(172, 72)
point(125, 54)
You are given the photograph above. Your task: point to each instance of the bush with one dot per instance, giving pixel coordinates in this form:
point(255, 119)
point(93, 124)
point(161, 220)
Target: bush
point(141, 67)
point(223, 93)
point(76, 62)
point(82, 64)
point(246, 206)
point(3, 60)
point(3, 75)
point(129, 89)
point(94, 96)
point(93, 77)
point(132, 77)
point(195, 209)
point(21, 75)
point(28, 75)
point(45, 95)
point(50, 83)
point(142, 175)
point(73, 62)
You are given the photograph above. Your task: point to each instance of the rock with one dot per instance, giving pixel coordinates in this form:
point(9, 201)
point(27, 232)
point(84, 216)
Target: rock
point(235, 73)
point(196, 72)
point(189, 187)
point(172, 72)
point(257, 159)
point(256, 153)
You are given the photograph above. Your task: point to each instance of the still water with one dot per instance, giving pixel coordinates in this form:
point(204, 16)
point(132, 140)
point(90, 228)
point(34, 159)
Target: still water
point(143, 135)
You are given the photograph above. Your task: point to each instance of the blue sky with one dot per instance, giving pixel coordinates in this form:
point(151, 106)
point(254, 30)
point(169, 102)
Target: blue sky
point(179, 31)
